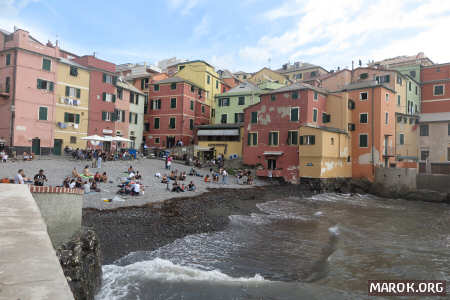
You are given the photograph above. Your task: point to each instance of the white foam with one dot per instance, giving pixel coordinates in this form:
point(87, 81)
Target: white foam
point(334, 230)
point(319, 213)
point(118, 279)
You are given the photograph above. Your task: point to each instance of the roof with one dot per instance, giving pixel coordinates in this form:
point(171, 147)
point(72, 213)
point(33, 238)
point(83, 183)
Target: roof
point(325, 128)
point(220, 126)
point(5, 32)
point(176, 79)
point(435, 117)
point(243, 88)
point(269, 85)
point(297, 66)
point(192, 61)
point(401, 59)
point(123, 84)
point(298, 86)
point(364, 84)
point(72, 63)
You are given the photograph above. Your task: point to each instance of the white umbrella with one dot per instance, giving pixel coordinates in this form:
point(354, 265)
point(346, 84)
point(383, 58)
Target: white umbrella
point(120, 139)
point(93, 138)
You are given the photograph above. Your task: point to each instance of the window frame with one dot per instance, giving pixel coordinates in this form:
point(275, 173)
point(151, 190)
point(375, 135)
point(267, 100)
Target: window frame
point(175, 123)
point(8, 59)
point(315, 115)
point(438, 85)
point(427, 126)
point(154, 123)
point(367, 117)
point(254, 113)
point(360, 96)
point(386, 118)
point(359, 140)
point(172, 102)
point(241, 102)
point(73, 71)
point(298, 114)
point(270, 141)
point(289, 139)
point(222, 119)
point(252, 134)
point(46, 113)
point(43, 64)
point(401, 138)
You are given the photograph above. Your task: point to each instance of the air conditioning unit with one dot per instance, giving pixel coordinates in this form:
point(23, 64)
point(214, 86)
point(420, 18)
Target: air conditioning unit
point(351, 127)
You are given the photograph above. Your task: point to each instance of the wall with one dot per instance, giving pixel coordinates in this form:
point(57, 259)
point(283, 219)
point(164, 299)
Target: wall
point(410, 132)
point(412, 96)
point(433, 182)
point(336, 81)
point(61, 209)
point(138, 128)
point(396, 178)
point(432, 75)
point(234, 107)
point(226, 148)
point(266, 74)
point(436, 142)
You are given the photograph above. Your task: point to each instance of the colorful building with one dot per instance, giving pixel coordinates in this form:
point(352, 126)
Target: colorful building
point(72, 106)
point(267, 75)
point(436, 88)
point(301, 71)
point(271, 128)
point(27, 92)
point(220, 139)
point(406, 140)
point(230, 105)
point(176, 105)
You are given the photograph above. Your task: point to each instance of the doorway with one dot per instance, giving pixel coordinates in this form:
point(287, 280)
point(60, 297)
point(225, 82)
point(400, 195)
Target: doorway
point(57, 146)
point(36, 146)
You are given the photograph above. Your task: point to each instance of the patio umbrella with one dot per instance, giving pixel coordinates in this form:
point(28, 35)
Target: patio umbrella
point(93, 138)
point(120, 139)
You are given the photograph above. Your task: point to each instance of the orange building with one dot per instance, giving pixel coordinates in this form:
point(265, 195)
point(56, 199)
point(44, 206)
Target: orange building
point(436, 88)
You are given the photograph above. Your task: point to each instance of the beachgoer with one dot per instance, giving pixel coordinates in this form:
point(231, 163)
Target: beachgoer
point(20, 177)
point(40, 178)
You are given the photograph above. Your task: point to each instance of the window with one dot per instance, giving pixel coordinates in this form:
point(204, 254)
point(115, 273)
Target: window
point(412, 74)
point(448, 128)
point(145, 104)
point(241, 100)
point(155, 104)
point(383, 79)
point(409, 85)
point(364, 76)
point(224, 101)
point(387, 97)
point(254, 117)
point(192, 89)
point(307, 140)
point(132, 97)
point(192, 105)
point(109, 78)
point(402, 139)
point(294, 114)
point(7, 84)
point(399, 80)
point(172, 123)
point(273, 138)
point(45, 85)
point(208, 79)
point(424, 130)
point(399, 102)
point(316, 96)
point(73, 92)
point(71, 118)
point(238, 117)
point(332, 141)
point(438, 90)
point(272, 97)
point(295, 95)
point(146, 126)
point(120, 93)
point(73, 139)
point(191, 124)
point(363, 141)
point(203, 111)
point(292, 137)
point(386, 118)
point(109, 97)
point(43, 111)
point(416, 90)
point(73, 71)
point(313, 74)
point(271, 164)
point(156, 123)
point(363, 118)
point(217, 84)
point(298, 76)
point(173, 86)
point(252, 139)
point(315, 112)
point(46, 64)
point(363, 96)
point(351, 104)
point(144, 83)
point(107, 116)
point(223, 119)
point(326, 118)
point(424, 154)
point(173, 103)
point(156, 87)
point(8, 59)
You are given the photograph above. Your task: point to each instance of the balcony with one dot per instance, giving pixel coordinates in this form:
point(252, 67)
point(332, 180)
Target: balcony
point(389, 152)
point(4, 93)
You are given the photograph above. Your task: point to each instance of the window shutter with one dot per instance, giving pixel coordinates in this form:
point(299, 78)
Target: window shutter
point(66, 117)
point(130, 117)
point(104, 95)
point(77, 119)
point(114, 80)
point(78, 93)
point(104, 115)
point(51, 85)
point(301, 140)
point(67, 91)
point(135, 118)
point(151, 104)
point(313, 140)
point(113, 98)
point(137, 99)
point(38, 83)
point(104, 77)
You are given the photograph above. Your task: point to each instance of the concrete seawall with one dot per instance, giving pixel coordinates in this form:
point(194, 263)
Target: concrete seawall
point(29, 268)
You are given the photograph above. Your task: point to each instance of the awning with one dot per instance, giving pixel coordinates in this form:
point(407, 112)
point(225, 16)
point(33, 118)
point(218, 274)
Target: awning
point(273, 153)
point(219, 132)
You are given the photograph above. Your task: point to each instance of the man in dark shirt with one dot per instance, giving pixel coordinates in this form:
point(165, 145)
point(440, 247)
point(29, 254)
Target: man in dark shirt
point(40, 178)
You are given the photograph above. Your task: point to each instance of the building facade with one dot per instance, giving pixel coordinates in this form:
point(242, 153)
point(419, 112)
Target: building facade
point(436, 88)
point(301, 71)
point(221, 139)
point(271, 129)
point(267, 75)
point(406, 140)
point(72, 106)
point(176, 106)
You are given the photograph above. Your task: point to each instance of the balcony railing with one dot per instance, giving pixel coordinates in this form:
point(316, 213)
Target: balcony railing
point(389, 151)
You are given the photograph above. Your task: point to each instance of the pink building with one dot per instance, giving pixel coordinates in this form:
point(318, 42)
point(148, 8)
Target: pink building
point(27, 99)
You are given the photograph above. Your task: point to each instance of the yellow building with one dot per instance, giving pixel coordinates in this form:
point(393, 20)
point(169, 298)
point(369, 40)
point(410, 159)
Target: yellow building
point(203, 75)
point(72, 106)
point(220, 139)
point(324, 152)
point(267, 75)
point(406, 138)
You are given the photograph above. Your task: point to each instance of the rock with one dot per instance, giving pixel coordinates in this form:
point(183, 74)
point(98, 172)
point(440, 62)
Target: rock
point(81, 261)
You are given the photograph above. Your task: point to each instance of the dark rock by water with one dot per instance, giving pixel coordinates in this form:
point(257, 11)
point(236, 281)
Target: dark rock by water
point(81, 261)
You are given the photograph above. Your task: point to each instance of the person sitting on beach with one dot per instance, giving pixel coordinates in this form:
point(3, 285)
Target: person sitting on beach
point(66, 182)
point(104, 177)
point(86, 172)
point(40, 178)
point(207, 179)
point(72, 184)
point(191, 186)
point(79, 183)
point(4, 156)
point(86, 187)
point(20, 177)
point(97, 177)
point(135, 188)
point(164, 179)
point(183, 176)
point(75, 173)
point(138, 176)
point(94, 185)
point(176, 188)
point(172, 176)
point(130, 170)
point(215, 177)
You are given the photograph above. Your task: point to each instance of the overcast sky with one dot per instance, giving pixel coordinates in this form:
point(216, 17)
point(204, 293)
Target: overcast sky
point(238, 34)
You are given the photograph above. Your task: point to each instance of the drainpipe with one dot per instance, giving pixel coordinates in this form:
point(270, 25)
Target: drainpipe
point(13, 102)
point(373, 124)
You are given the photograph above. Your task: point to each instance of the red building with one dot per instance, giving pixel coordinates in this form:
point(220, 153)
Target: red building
point(435, 88)
point(175, 107)
point(271, 128)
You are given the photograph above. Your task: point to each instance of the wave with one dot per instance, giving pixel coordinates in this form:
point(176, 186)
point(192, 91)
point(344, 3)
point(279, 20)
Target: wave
point(118, 280)
point(334, 230)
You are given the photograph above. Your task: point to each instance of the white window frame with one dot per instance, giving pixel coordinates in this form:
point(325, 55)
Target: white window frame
point(257, 139)
point(298, 114)
point(315, 97)
point(317, 115)
point(39, 108)
point(359, 140)
point(364, 113)
point(360, 96)
point(443, 89)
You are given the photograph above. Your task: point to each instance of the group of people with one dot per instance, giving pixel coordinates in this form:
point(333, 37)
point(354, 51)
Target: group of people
point(178, 178)
point(4, 156)
point(131, 185)
point(86, 180)
point(38, 180)
point(244, 177)
point(215, 176)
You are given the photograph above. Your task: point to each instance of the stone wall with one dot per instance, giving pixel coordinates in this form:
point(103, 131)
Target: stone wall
point(435, 182)
point(396, 178)
point(61, 209)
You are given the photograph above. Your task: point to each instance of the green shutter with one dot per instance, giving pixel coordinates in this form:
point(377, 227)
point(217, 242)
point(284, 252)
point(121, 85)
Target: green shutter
point(123, 116)
point(38, 83)
point(77, 118)
point(114, 80)
point(129, 117)
point(255, 139)
point(137, 99)
point(66, 117)
point(113, 98)
point(67, 91)
point(78, 93)
point(8, 59)
point(249, 136)
point(50, 86)
point(104, 96)
point(104, 115)
point(43, 113)
point(104, 77)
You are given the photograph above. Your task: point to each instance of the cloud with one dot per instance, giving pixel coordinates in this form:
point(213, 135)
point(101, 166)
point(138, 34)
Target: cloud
point(184, 6)
point(202, 28)
point(11, 8)
point(340, 30)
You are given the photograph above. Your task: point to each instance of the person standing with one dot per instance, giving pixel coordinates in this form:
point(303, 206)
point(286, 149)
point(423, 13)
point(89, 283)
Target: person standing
point(99, 162)
point(224, 176)
point(40, 178)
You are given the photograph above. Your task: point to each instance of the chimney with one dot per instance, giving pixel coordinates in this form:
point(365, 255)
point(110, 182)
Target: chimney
point(353, 63)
